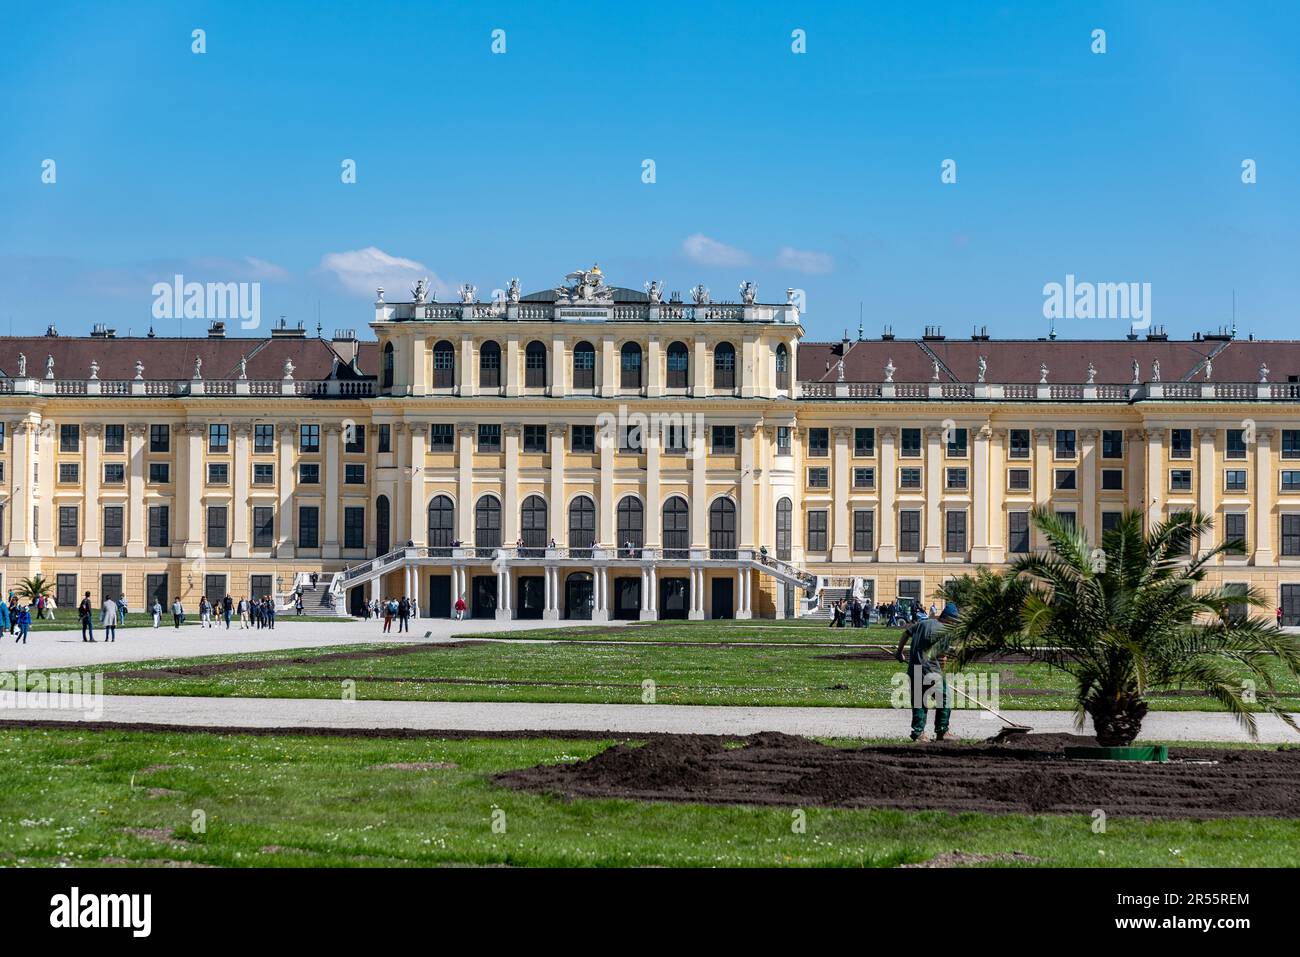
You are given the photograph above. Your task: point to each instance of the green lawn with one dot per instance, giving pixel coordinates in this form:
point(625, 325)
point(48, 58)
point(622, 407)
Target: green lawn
point(78, 798)
point(698, 672)
point(67, 621)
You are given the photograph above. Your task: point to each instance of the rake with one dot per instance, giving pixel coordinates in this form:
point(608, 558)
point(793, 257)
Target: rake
point(1010, 731)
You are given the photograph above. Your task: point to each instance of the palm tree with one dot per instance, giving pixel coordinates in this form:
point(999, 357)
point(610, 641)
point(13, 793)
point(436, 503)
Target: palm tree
point(38, 586)
point(1125, 619)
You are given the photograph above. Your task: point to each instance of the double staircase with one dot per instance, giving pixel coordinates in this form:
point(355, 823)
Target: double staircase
point(316, 598)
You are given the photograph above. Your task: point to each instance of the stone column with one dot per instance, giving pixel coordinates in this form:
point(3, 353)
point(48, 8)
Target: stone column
point(22, 435)
point(465, 483)
point(840, 492)
point(330, 506)
point(510, 372)
point(981, 487)
point(887, 484)
point(192, 502)
point(747, 367)
point(559, 529)
point(510, 490)
point(1088, 516)
point(1155, 477)
point(605, 533)
point(1205, 476)
point(467, 367)
point(288, 481)
point(1264, 479)
point(559, 368)
point(653, 516)
point(136, 524)
point(46, 440)
point(240, 464)
point(419, 522)
point(90, 541)
point(748, 538)
point(1043, 476)
point(996, 498)
point(654, 377)
point(699, 491)
point(933, 494)
point(701, 370)
point(697, 594)
point(1134, 452)
point(609, 378)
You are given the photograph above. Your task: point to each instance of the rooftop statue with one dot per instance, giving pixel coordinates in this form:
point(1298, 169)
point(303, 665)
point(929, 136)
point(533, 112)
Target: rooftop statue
point(94, 368)
point(22, 366)
point(419, 293)
point(1155, 370)
point(588, 288)
point(139, 370)
point(49, 366)
point(1092, 374)
point(1042, 373)
point(1209, 369)
point(512, 293)
point(1263, 372)
point(288, 369)
point(983, 369)
point(467, 291)
point(890, 369)
point(700, 295)
point(935, 365)
point(1137, 372)
point(655, 290)
point(748, 291)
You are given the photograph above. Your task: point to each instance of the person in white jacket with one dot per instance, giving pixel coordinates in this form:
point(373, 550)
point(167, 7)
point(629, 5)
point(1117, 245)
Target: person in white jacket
point(157, 613)
point(108, 618)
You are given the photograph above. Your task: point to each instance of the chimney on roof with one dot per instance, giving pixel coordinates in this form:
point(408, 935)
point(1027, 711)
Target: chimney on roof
point(933, 334)
point(887, 334)
point(1157, 334)
point(283, 330)
point(51, 332)
point(345, 344)
point(100, 331)
point(216, 329)
point(981, 336)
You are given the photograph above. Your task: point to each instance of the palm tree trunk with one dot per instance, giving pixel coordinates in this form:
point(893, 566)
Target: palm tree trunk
point(1117, 718)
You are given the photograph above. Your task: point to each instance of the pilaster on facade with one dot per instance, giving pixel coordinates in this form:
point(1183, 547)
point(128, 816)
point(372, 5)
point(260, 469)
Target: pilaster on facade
point(1263, 553)
point(90, 538)
point(983, 486)
point(1205, 475)
point(288, 477)
point(333, 466)
point(887, 483)
point(933, 494)
point(239, 466)
point(135, 521)
point(1088, 517)
point(840, 524)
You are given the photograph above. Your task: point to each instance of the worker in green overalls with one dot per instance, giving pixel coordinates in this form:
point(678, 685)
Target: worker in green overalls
point(925, 670)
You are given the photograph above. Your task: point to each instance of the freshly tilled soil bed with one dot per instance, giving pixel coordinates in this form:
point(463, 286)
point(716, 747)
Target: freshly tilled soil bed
point(1029, 775)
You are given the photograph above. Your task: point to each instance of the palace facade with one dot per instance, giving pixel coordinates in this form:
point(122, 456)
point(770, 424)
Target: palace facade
point(597, 451)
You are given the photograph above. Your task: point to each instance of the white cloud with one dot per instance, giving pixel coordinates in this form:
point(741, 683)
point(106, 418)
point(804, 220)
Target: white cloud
point(804, 260)
point(266, 270)
point(709, 252)
point(364, 270)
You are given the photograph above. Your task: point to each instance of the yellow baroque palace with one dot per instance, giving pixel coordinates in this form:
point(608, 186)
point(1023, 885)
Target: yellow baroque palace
point(600, 452)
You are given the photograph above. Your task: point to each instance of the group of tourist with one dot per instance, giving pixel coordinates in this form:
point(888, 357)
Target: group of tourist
point(254, 613)
point(16, 618)
point(400, 610)
point(896, 614)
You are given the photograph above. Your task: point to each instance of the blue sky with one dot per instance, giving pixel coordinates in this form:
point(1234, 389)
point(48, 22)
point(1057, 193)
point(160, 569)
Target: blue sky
point(818, 170)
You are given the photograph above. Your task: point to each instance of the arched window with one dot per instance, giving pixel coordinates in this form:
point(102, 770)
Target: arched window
point(782, 367)
point(444, 365)
point(487, 522)
point(630, 366)
point(532, 525)
point(442, 522)
point(383, 516)
point(722, 528)
point(677, 528)
point(584, 366)
point(784, 511)
point(724, 366)
point(631, 527)
point(679, 366)
point(535, 365)
point(582, 527)
point(489, 365)
point(387, 381)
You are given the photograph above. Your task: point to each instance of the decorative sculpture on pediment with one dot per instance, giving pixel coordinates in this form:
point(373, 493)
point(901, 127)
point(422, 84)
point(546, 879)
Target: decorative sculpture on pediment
point(588, 288)
point(748, 292)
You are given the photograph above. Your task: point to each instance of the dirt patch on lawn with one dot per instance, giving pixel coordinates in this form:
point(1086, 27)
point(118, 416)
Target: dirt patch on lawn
point(1028, 775)
point(162, 835)
point(966, 859)
point(258, 664)
point(414, 766)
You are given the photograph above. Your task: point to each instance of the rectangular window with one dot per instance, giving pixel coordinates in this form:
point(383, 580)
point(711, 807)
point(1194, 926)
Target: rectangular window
point(216, 526)
point(263, 473)
point(909, 531)
point(65, 590)
point(354, 440)
point(1066, 443)
point(159, 473)
point(1234, 530)
point(724, 439)
point(782, 440)
point(1018, 444)
point(819, 478)
point(582, 438)
point(1112, 480)
point(1291, 534)
point(1068, 518)
point(629, 438)
point(308, 526)
point(259, 585)
point(218, 473)
point(68, 537)
point(1290, 480)
point(1180, 480)
point(864, 530)
point(1235, 444)
point(263, 438)
point(113, 521)
point(909, 478)
point(385, 438)
point(110, 586)
point(817, 530)
point(69, 473)
point(489, 438)
point(1066, 480)
point(354, 527)
point(114, 438)
point(1234, 480)
point(160, 438)
point(1112, 444)
point(69, 438)
point(1180, 443)
point(218, 437)
point(958, 443)
point(819, 443)
point(864, 442)
point(1018, 480)
point(909, 443)
point(1110, 520)
point(956, 480)
point(1017, 532)
point(1238, 611)
point(308, 438)
point(308, 473)
point(214, 588)
point(354, 474)
point(864, 478)
point(159, 526)
point(534, 438)
point(114, 473)
point(442, 437)
point(910, 588)
point(263, 526)
point(1291, 443)
point(955, 531)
